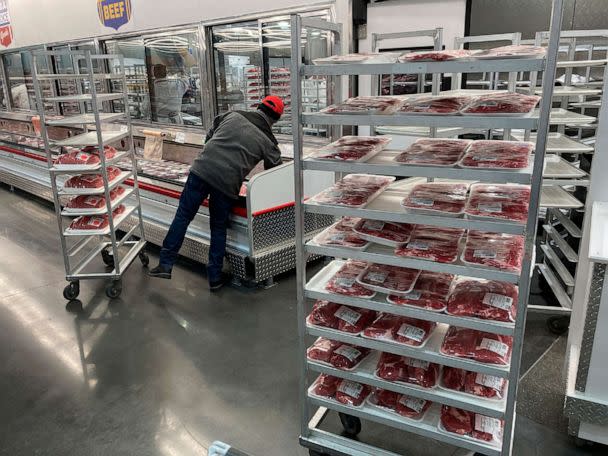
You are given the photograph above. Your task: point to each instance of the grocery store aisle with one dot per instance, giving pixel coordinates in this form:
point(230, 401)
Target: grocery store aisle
point(167, 368)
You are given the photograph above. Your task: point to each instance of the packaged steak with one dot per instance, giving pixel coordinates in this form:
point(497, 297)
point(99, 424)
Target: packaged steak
point(388, 279)
point(496, 250)
point(503, 103)
point(347, 357)
point(109, 151)
point(404, 330)
point(437, 198)
point(379, 142)
point(433, 243)
point(488, 429)
point(352, 393)
point(322, 349)
point(95, 222)
point(324, 314)
point(91, 180)
point(94, 201)
point(475, 383)
point(477, 345)
point(79, 158)
point(485, 299)
point(340, 235)
point(434, 152)
point(433, 105)
point(506, 202)
point(365, 105)
point(325, 386)
point(385, 398)
point(406, 406)
point(396, 368)
point(430, 292)
point(474, 425)
point(345, 153)
point(345, 281)
point(354, 190)
point(340, 317)
point(512, 51)
point(385, 233)
point(456, 420)
point(437, 56)
point(497, 155)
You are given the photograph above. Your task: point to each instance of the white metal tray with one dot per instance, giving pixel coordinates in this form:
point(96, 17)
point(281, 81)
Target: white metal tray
point(117, 221)
point(102, 210)
point(96, 191)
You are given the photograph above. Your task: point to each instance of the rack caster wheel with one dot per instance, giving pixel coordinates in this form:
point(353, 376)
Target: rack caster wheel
point(351, 424)
point(558, 325)
point(71, 291)
point(113, 289)
point(144, 258)
point(107, 258)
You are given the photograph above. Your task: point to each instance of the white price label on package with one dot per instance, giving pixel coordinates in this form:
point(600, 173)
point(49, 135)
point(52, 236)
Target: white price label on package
point(490, 207)
point(490, 381)
point(376, 277)
point(488, 425)
point(428, 202)
point(484, 253)
point(180, 137)
point(418, 245)
point(413, 295)
point(373, 225)
point(344, 282)
point(352, 389)
point(495, 346)
point(337, 237)
point(417, 363)
point(497, 300)
point(350, 353)
point(413, 403)
point(348, 315)
point(411, 332)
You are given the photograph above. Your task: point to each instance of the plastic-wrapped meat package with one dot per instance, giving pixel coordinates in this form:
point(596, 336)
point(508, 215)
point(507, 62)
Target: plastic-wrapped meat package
point(453, 378)
point(365, 105)
point(478, 384)
point(322, 349)
point(109, 151)
point(388, 279)
point(385, 398)
point(354, 190)
point(436, 56)
point(487, 428)
point(485, 299)
point(324, 314)
point(457, 420)
point(496, 250)
point(345, 281)
point(91, 180)
point(384, 328)
point(507, 202)
point(433, 105)
point(346, 153)
point(78, 159)
point(95, 222)
point(433, 244)
point(434, 152)
point(391, 367)
point(412, 407)
point(395, 368)
point(497, 155)
point(94, 201)
point(437, 198)
point(502, 103)
point(325, 386)
point(346, 223)
point(347, 356)
point(386, 233)
point(341, 236)
point(477, 345)
point(352, 393)
point(404, 330)
point(513, 50)
point(379, 142)
point(340, 317)
point(430, 292)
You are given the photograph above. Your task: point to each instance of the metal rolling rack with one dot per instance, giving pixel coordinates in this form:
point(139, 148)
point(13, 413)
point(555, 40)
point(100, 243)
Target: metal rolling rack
point(116, 253)
point(386, 207)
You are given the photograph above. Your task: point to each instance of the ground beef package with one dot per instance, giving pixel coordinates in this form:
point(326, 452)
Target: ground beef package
point(434, 152)
point(430, 292)
point(496, 250)
point(388, 279)
point(437, 198)
point(485, 299)
point(509, 103)
point(354, 190)
point(437, 56)
point(507, 202)
point(339, 235)
point(395, 368)
point(365, 105)
point(477, 345)
point(497, 155)
point(386, 233)
point(432, 243)
point(433, 105)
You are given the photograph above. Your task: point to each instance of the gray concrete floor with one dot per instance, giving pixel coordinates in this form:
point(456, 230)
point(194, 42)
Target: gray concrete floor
point(169, 367)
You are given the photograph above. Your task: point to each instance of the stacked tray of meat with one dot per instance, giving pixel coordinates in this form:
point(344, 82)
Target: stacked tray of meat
point(344, 281)
point(337, 354)
point(388, 279)
point(497, 155)
point(93, 201)
point(437, 198)
point(403, 330)
point(507, 202)
point(474, 425)
point(496, 250)
point(341, 234)
point(347, 319)
point(433, 243)
point(364, 105)
point(352, 148)
point(396, 368)
point(430, 292)
point(477, 345)
point(475, 383)
point(401, 404)
point(433, 105)
point(93, 181)
point(485, 299)
point(361, 57)
point(341, 390)
point(437, 56)
point(88, 156)
point(354, 190)
point(385, 233)
point(434, 152)
point(95, 222)
point(502, 103)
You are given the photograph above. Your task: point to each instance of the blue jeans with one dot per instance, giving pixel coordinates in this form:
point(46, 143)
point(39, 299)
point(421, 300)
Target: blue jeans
point(195, 191)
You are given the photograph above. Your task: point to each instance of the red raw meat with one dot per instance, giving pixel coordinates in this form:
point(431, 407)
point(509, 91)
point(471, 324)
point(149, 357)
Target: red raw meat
point(345, 280)
point(401, 368)
point(95, 222)
point(344, 153)
point(477, 345)
point(322, 349)
point(484, 385)
point(78, 158)
point(432, 243)
point(497, 154)
point(496, 250)
point(431, 151)
point(354, 190)
point(354, 320)
point(414, 332)
point(430, 291)
point(364, 105)
point(93, 201)
point(391, 367)
point(326, 386)
point(453, 378)
point(91, 180)
point(438, 56)
point(347, 356)
point(508, 202)
point(376, 141)
point(347, 223)
point(502, 103)
point(323, 314)
point(437, 197)
point(389, 279)
point(352, 393)
point(485, 299)
point(441, 104)
point(341, 236)
point(412, 407)
point(487, 428)
point(457, 420)
point(109, 151)
point(391, 231)
point(384, 328)
point(386, 398)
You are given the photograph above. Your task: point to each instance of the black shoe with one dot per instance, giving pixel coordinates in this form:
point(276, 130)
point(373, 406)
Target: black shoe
point(160, 272)
point(215, 286)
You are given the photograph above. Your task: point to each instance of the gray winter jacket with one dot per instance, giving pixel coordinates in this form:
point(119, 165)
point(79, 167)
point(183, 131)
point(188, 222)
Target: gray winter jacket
point(235, 144)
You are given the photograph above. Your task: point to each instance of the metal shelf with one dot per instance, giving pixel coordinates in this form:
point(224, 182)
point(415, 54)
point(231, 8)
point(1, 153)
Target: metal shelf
point(111, 185)
point(51, 77)
point(570, 226)
point(315, 289)
point(383, 163)
point(86, 119)
point(558, 143)
point(581, 63)
point(117, 202)
point(570, 91)
point(561, 116)
point(557, 264)
point(553, 282)
point(85, 97)
point(90, 138)
point(89, 169)
point(554, 196)
point(117, 222)
point(561, 243)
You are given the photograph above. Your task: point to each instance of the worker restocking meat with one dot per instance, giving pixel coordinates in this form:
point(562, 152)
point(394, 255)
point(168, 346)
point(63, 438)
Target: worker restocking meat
point(235, 144)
